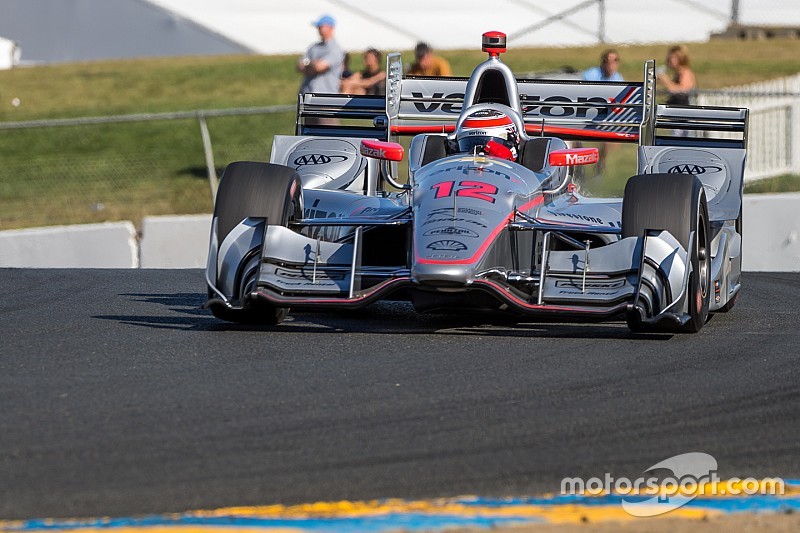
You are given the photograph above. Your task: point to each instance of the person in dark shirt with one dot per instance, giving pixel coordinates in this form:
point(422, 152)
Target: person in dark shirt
point(371, 80)
point(428, 64)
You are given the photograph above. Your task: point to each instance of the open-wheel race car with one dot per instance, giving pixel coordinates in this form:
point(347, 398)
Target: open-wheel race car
point(489, 216)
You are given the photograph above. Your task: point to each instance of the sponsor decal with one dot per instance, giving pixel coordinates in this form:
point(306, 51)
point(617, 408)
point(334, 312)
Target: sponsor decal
point(451, 220)
point(578, 159)
point(447, 245)
point(298, 274)
point(453, 231)
point(317, 159)
point(696, 170)
point(552, 106)
point(467, 169)
point(617, 284)
point(446, 108)
point(576, 216)
point(307, 283)
point(378, 153)
point(557, 106)
point(366, 211)
point(465, 210)
point(587, 293)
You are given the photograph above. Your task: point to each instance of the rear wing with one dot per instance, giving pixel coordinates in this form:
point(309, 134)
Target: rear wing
point(699, 126)
point(413, 104)
point(562, 108)
point(569, 109)
point(341, 115)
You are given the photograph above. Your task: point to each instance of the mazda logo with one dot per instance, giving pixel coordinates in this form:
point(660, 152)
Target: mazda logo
point(695, 170)
point(318, 159)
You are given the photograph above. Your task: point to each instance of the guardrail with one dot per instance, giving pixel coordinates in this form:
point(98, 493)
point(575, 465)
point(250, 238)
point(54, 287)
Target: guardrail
point(771, 240)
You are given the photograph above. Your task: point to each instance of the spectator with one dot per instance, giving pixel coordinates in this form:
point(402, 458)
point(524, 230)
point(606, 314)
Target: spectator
point(683, 84)
point(323, 63)
point(371, 80)
point(428, 64)
point(608, 69)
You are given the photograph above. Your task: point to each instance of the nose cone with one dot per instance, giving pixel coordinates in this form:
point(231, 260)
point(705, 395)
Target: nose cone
point(461, 205)
point(440, 274)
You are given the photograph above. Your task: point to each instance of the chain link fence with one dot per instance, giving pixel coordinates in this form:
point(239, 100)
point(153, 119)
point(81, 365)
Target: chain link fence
point(125, 168)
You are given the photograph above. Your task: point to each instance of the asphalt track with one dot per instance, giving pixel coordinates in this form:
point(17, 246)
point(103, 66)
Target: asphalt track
point(119, 396)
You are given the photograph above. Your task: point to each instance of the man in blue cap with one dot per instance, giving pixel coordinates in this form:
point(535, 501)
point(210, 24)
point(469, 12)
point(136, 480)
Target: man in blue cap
point(322, 64)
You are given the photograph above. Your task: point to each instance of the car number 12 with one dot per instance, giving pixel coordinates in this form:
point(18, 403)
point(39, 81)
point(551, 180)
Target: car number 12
point(468, 189)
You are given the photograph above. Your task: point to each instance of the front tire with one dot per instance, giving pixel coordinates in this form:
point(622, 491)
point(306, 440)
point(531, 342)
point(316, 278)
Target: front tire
point(263, 190)
point(675, 203)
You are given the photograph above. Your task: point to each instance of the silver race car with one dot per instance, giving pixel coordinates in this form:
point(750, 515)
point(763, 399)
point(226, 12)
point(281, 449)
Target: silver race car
point(489, 216)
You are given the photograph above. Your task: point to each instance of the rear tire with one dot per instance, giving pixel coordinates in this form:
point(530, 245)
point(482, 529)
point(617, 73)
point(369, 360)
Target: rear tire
point(675, 203)
point(251, 189)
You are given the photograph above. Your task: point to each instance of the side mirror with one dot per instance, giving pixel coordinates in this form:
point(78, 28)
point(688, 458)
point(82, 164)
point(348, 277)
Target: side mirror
point(573, 156)
point(386, 151)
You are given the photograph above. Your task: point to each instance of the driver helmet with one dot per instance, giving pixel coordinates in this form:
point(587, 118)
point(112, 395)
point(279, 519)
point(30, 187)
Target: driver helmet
point(480, 127)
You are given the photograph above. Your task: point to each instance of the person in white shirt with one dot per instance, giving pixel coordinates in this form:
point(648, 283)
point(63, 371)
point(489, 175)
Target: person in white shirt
point(608, 69)
point(322, 65)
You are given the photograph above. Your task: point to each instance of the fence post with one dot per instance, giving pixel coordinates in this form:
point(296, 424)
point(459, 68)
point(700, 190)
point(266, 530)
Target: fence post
point(601, 27)
point(209, 152)
point(794, 136)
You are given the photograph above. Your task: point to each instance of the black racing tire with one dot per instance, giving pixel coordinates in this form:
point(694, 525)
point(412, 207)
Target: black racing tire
point(676, 203)
point(253, 189)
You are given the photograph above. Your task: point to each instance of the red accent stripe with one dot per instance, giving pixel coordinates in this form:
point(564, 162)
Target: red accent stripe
point(529, 128)
point(589, 134)
point(554, 308)
point(362, 297)
point(488, 241)
point(428, 128)
point(488, 122)
point(624, 99)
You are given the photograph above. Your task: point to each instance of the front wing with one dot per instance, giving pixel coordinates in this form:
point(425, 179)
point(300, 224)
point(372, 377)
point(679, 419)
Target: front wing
point(648, 274)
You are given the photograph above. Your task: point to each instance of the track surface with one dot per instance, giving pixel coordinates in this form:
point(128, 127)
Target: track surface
point(119, 396)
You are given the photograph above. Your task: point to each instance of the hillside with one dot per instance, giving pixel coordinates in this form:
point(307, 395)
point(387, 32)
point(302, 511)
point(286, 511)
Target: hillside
point(126, 171)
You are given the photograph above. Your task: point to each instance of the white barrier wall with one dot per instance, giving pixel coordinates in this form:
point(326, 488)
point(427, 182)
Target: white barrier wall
point(771, 232)
point(771, 240)
point(109, 245)
point(175, 241)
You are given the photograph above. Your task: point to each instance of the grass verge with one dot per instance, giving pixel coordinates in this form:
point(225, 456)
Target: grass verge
point(61, 175)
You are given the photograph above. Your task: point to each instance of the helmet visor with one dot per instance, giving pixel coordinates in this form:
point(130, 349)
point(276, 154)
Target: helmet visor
point(469, 143)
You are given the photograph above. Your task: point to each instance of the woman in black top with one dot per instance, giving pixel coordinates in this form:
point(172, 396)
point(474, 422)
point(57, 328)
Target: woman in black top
point(683, 84)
